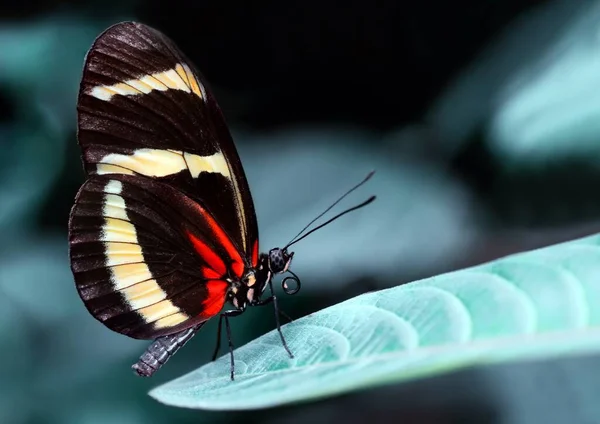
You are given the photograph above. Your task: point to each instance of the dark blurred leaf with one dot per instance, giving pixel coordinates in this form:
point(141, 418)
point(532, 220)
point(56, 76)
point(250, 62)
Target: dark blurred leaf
point(419, 218)
point(40, 66)
point(41, 62)
point(548, 110)
point(532, 87)
point(29, 165)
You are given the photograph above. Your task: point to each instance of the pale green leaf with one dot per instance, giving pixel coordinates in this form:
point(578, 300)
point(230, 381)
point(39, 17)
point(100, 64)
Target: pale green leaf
point(526, 306)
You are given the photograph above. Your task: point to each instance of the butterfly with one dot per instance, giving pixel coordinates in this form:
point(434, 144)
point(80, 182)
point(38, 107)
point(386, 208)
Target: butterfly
point(163, 233)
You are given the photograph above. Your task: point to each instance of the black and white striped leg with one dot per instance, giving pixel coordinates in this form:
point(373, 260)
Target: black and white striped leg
point(161, 350)
point(225, 315)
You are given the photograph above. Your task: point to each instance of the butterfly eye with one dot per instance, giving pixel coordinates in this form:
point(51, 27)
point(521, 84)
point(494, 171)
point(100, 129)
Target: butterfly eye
point(277, 261)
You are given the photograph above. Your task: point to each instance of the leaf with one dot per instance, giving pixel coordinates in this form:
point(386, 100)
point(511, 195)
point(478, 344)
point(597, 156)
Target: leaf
point(538, 304)
point(545, 111)
point(532, 99)
point(41, 98)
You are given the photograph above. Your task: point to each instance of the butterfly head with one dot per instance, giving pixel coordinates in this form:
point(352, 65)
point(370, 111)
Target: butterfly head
point(249, 291)
point(279, 260)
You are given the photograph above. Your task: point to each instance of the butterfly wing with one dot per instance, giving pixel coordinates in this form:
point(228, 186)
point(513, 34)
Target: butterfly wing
point(166, 212)
point(144, 110)
point(147, 259)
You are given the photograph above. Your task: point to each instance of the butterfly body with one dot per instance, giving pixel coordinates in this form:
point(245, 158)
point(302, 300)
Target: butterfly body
point(248, 290)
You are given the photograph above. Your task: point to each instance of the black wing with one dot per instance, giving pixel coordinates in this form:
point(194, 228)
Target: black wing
point(144, 110)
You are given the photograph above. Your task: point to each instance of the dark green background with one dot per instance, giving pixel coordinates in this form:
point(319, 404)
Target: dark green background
point(479, 116)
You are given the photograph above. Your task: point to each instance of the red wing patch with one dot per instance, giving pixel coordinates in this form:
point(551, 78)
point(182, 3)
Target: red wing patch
point(216, 266)
point(212, 305)
point(237, 264)
point(255, 254)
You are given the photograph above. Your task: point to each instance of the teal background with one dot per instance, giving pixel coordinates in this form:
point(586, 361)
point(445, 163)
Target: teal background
point(480, 117)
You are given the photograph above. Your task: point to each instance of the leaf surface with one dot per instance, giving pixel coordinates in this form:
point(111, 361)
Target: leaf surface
point(531, 305)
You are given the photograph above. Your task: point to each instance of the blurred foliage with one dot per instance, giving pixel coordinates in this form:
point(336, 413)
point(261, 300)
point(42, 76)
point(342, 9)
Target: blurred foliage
point(480, 117)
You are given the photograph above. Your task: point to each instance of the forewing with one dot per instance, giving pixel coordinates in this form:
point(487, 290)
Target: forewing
point(147, 259)
point(144, 110)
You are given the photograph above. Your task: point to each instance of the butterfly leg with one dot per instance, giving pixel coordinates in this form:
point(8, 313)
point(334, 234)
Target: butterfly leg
point(225, 316)
point(278, 311)
point(218, 345)
point(286, 316)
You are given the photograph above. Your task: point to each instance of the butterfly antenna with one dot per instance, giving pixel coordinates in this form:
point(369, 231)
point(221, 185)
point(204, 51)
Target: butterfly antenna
point(329, 221)
point(369, 175)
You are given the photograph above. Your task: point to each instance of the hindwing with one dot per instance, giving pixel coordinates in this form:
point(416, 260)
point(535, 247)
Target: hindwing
point(148, 260)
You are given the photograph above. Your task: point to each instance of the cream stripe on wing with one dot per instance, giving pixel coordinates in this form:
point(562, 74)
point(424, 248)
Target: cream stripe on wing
point(159, 310)
point(104, 168)
point(161, 163)
point(121, 253)
point(192, 80)
point(129, 272)
point(171, 320)
point(179, 78)
point(214, 163)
